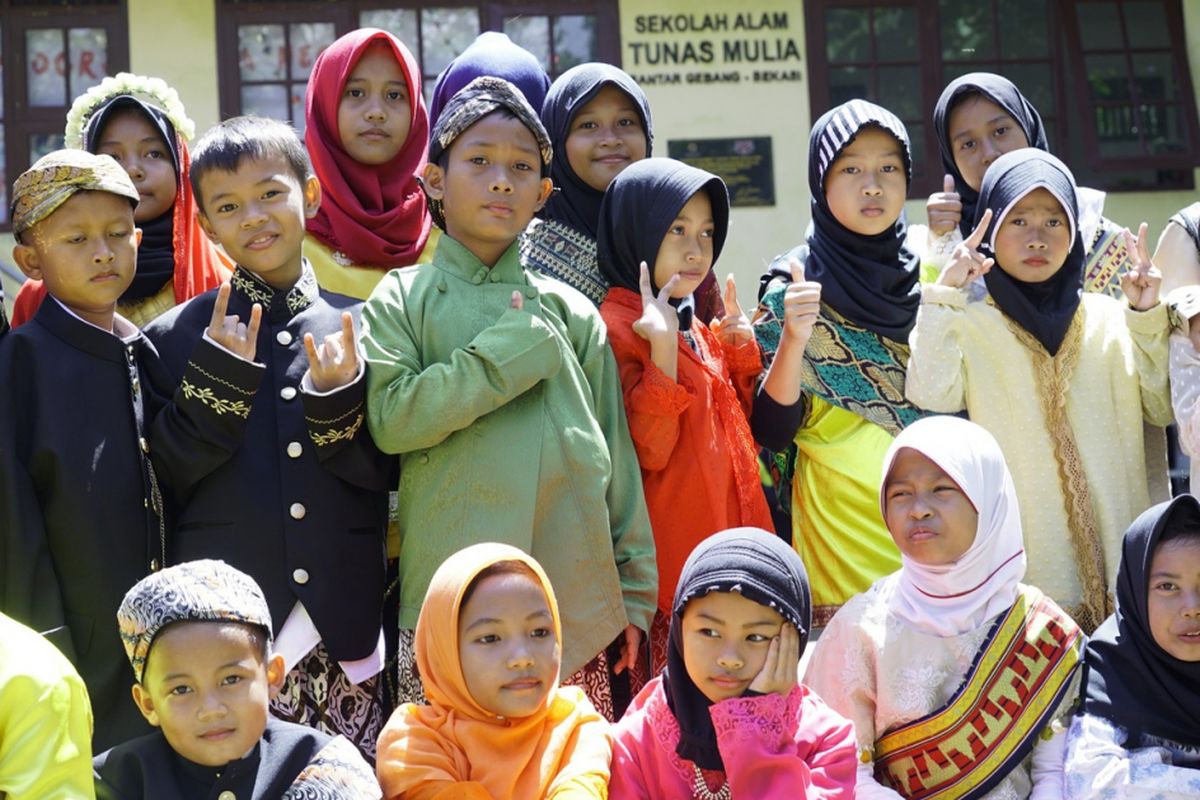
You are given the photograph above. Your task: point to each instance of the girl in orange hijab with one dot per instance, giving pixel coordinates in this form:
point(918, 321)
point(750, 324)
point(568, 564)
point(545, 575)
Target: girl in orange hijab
point(498, 726)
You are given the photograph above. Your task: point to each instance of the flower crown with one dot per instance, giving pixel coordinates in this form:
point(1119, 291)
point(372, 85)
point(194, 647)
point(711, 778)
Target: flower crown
point(155, 90)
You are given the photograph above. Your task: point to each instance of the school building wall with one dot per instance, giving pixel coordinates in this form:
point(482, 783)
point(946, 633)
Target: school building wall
point(764, 43)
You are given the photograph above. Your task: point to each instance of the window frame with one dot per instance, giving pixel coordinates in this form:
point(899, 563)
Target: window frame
point(1076, 136)
point(231, 14)
point(21, 120)
point(1081, 90)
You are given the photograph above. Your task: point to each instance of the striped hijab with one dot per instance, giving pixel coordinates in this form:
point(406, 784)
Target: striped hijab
point(869, 280)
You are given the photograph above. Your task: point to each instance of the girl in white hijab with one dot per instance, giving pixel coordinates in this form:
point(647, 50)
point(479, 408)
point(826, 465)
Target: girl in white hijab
point(954, 673)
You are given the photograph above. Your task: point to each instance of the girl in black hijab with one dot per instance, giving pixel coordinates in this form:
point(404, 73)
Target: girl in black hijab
point(727, 718)
point(978, 118)
point(1138, 735)
point(1062, 378)
point(833, 318)
point(687, 386)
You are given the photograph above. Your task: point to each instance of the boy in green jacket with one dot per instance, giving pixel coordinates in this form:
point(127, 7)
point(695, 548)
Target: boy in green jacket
point(498, 389)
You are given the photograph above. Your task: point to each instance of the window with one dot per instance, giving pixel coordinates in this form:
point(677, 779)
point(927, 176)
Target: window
point(50, 56)
point(1109, 77)
point(266, 49)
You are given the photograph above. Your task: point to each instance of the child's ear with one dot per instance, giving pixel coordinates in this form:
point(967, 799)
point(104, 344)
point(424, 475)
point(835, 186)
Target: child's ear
point(544, 195)
point(434, 181)
point(312, 196)
point(145, 704)
point(137, 237)
point(276, 672)
point(28, 260)
point(206, 226)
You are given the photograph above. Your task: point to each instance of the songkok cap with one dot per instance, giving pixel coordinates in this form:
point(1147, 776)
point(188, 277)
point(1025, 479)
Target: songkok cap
point(56, 177)
point(194, 591)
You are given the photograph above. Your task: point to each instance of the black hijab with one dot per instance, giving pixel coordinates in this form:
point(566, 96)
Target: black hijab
point(156, 253)
point(575, 203)
point(870, 280)
point(760, 567)
point(1044, 309)
point(638, 209)
point(1131, 681)
point(1003, 93)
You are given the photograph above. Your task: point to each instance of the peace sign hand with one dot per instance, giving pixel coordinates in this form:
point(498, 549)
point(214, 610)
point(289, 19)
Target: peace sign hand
point(335, 363)
point(944, 208)
point(229, 331)
point(1141, 283)
point(966, 263)
point(801, 304)
point(659, 321)
point(734, 328)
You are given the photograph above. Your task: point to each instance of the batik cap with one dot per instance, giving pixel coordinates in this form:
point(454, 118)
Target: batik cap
point(475, 101)
point(56, 177)
point(194, 591)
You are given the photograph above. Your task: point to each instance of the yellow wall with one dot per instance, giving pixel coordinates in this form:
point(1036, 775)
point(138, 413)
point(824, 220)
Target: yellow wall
point(721, 110)
point(176, 40)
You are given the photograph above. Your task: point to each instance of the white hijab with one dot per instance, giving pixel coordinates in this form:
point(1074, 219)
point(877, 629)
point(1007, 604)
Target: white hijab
point(952, 599)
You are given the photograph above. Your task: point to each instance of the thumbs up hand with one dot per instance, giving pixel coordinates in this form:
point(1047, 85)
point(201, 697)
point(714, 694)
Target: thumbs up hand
point(801, 305)
point(944, 208)
point(734, 328)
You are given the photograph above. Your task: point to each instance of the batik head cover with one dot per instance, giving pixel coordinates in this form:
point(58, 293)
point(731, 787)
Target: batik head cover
point(57, 177)
point(194, 591)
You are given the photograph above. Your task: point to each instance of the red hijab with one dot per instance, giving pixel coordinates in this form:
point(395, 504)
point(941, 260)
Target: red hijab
point(374, 215)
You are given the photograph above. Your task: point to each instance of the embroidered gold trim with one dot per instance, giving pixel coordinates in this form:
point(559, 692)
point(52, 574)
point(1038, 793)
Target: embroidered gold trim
point(336, 419)
point(222, 381)
point(335, 435)
point(1053, 381)
point(218, 404)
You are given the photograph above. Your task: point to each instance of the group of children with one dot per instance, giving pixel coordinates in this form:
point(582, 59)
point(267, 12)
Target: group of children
point(546, 389)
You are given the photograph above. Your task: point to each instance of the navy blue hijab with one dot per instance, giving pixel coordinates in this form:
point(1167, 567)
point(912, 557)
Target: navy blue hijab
point(492, 53)
point(1131, 680)
point(575, 203)
point(638, 209)
point(760, 567)
point(1044, 309)
point(1003, 93)
point(870, 280)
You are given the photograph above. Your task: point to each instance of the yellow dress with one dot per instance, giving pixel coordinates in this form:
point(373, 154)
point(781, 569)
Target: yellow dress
point(351, 280)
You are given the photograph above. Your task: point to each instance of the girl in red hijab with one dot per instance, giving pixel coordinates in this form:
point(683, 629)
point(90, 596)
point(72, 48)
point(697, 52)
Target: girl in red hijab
point(367, 133)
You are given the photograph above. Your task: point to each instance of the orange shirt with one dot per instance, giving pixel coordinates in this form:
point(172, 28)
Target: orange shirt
point(698, 458)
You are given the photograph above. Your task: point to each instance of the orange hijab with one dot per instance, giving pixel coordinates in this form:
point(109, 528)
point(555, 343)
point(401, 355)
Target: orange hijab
point(454, 739)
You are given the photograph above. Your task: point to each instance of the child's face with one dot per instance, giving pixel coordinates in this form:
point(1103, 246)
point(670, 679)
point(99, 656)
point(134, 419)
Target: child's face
point(139, 148)
point(687, 247)
point(725, 642)
point(85, 252)
point(206, 685)
point(374, 114)
point(866, 185)
point(929, 516)
point(257, 214)
point(1174, 598)
point(507, 647)
point(491, 186)
point(1034, 239)
point(606, 136)
point(980, 132)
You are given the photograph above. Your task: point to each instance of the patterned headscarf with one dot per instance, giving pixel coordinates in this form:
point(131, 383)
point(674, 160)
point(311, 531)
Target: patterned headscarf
point(194, 591)
point(479, 98)
point(57, 177)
